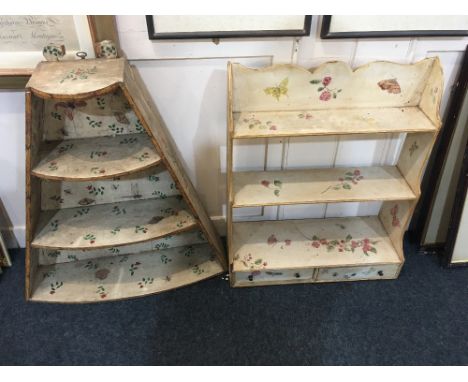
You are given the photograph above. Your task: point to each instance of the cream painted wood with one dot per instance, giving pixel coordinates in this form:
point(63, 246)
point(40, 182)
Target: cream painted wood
point(319, 186)
point(54, 256)
point(378, 98)
point(281, 275)
point(326, 122)
point(153, 183)
point(103, 181)
point(301, 89)
point(96, 158)
point(121, 277)
point(112, 224)
point(296, 244)
point(380, 272)
point(78, 79)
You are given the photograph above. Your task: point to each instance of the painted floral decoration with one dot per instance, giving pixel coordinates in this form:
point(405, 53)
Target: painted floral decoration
point(395, 219)
point(255, 123)
point(413, 148)
point(347, 244)
point(326, 93)
point(276, 185)
point(346, 181)
point(251, 263)
point(79, 74)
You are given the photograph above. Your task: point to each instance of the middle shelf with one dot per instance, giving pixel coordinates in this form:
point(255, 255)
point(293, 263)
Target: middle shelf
point(112, 224)
point(96, 157)
point(330, 185)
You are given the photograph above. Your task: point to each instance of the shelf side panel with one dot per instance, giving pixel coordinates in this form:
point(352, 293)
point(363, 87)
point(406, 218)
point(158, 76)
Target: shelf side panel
point(141, 101)
point(432, 94)
point(331, 85)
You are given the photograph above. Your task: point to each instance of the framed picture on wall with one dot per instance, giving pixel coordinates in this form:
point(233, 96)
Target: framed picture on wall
point(22, 39)
point(202, 27)
point(392, 26)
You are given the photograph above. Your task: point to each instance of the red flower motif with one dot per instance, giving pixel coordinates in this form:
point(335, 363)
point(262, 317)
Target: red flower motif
point(89, 187)
point(273, 127)
point(256, 273)
point(102, 171)
point(287, 242)
point(103, 295)
point(91, 242)
point(272, 240)
point(354, 244)
point(325, 96)
point(323, 241)
point(315, 244)
point(357, 172)
point(265, 183)
point(326, 80)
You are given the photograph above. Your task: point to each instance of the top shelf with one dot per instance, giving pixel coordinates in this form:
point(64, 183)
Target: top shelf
point(330, 122)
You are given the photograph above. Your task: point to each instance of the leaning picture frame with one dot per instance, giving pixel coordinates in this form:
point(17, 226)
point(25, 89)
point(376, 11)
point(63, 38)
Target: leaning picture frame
point(341, 26)
point(215, 27)
point(23, 37)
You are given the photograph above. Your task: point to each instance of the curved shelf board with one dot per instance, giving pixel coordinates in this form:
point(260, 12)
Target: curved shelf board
point(126, 276)
point(310, 243)
point(331, 122)
point(96, 158)
point(331, 185)
point(77, 79)
point(113, 224)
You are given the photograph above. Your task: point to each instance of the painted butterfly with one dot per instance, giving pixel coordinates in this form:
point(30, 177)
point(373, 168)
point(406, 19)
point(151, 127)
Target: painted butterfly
point(278, 90)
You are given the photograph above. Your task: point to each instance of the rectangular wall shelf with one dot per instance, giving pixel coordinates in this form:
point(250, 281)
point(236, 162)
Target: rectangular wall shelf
point(285, 101)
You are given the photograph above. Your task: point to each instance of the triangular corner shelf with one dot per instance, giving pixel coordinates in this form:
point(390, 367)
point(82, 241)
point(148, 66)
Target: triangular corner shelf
point(111, 213)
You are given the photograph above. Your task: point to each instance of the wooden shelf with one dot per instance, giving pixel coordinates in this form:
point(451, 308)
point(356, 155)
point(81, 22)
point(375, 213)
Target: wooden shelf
point(330, 122)
point(96, 158)
point(311, 243)
point(121, 277)
point(113, 224)
point(329, 185)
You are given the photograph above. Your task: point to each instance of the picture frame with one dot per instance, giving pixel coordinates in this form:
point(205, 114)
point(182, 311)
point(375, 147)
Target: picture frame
point(435, 171)
point(210, 27)
point(337, 27)
point(90, 29)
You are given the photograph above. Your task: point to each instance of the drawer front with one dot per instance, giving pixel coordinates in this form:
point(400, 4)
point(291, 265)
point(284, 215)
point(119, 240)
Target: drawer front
point(374, 272)
point(246, 278)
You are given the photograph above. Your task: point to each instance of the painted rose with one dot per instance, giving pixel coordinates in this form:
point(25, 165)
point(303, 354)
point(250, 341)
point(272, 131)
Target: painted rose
point(265, 183)
point(325, 96)
point(326, 80)
point(287, 242)
point(102, 274)
point(272, 240)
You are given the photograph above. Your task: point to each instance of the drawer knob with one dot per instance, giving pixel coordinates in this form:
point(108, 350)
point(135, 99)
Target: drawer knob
point(297, 275)
point(250, 278)
point(380, 273)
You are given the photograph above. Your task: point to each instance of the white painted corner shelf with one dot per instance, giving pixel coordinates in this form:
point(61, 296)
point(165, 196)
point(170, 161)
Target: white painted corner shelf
point(333, 99)
point(111, 213)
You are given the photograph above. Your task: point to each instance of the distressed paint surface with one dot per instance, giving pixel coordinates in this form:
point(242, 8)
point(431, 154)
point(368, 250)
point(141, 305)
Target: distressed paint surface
point(124, 276)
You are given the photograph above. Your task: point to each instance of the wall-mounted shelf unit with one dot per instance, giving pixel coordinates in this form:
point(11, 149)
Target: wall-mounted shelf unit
point(111, 213)
point(290, 101)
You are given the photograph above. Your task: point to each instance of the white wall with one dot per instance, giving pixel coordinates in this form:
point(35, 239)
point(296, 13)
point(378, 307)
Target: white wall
point(188, 82)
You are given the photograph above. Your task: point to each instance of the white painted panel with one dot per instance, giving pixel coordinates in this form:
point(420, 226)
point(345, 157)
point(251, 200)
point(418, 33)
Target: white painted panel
point(12, 161)
point(338, 210)
point(134, 41)
point(312, 50)
point(460, 251)
point(363, 151)
point(310, 152)
point(302, 211)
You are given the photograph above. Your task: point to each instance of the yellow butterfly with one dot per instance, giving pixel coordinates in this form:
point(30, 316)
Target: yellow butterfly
point(279, 90)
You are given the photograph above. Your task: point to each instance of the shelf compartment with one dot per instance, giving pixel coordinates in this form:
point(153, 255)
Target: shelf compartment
point(311, 243)
point(330, 122)
point(329, 185)
point(120, 277)
point(113, 224)
point(54, 256)
point(96, 158)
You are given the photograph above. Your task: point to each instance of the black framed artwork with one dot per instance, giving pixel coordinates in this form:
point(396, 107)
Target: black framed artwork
point(452, 131)
point(392, 26)
point(214, 27)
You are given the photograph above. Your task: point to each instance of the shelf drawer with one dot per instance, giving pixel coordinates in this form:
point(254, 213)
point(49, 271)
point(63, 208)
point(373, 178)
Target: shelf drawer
point(273, 276)
point(374, 272)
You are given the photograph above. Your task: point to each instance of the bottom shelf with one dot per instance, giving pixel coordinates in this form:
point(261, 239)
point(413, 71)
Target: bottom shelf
point(125, 276)
point(312, 250)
